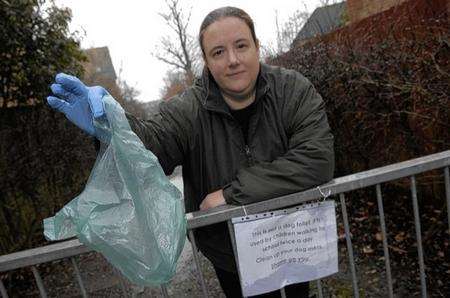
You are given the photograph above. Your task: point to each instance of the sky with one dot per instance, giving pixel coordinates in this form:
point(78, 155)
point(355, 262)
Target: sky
point(133, 29)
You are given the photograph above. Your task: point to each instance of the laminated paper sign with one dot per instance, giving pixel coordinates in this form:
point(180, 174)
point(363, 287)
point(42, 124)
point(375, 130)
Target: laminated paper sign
point(284, 247)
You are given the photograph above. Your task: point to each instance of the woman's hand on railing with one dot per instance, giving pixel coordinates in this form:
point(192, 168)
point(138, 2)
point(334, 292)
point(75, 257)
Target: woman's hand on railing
point(212, 200)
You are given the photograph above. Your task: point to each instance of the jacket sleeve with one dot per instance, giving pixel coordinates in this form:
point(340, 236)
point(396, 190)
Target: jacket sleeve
point(309, 160)
point(165, 133)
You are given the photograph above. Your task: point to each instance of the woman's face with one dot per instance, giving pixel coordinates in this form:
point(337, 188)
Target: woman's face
point(232, 57)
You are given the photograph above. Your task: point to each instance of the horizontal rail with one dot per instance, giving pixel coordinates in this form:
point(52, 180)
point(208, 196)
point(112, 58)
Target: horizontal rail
point(336, 186)
point(42, 254)
point(197, 219)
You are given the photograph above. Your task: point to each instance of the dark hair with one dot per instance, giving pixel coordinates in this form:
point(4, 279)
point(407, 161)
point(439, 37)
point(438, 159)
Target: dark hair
point(223, 12)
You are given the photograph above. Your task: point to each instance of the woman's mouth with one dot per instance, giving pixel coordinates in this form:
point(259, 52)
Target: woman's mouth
point(236, 73)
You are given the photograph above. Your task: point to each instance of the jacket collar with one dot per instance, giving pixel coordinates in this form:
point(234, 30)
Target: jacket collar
point(213, 99)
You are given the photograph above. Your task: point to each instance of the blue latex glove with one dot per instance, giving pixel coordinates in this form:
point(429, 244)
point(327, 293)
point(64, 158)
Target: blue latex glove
point(80, 104)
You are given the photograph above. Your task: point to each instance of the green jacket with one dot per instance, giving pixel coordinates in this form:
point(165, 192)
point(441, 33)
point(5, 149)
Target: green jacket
point(290, 147)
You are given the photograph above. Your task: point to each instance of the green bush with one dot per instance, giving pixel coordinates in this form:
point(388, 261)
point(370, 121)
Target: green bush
point(44, 159)
point(35, 44)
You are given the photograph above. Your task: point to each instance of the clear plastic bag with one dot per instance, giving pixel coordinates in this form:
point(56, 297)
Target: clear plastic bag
point(129, 211)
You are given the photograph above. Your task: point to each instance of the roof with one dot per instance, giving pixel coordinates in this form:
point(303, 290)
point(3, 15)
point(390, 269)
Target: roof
point(323, 20)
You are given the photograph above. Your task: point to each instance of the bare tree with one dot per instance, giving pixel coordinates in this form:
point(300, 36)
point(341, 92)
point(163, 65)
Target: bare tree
point(174, 83)
point(329, 2)
point(179, 49)
point(287, 31)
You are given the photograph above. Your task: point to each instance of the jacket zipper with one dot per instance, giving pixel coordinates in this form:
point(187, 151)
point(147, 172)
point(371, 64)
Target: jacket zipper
point(249, 155)
point(247, 152)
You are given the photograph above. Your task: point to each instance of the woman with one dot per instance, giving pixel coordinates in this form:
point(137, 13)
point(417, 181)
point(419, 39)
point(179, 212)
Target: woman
point(244, 132)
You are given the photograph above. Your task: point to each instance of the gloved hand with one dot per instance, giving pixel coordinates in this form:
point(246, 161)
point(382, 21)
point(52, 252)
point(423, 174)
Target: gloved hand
point(80, 104)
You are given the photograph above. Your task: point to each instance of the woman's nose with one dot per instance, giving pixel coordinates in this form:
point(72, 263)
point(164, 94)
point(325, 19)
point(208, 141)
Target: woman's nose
point(233, 58)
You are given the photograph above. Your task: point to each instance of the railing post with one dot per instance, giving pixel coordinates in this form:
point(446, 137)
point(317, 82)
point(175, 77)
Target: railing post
point(197, 263)
point(423, 283)
point(3, 290)
point(319, 288)
point(283, 292)
point(349, 246)
point(78, 277)
point(385, 245)
point(39, 282)
point(447, 194)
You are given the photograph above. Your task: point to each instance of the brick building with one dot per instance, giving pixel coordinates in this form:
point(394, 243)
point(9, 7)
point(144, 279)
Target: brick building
point(99, 67)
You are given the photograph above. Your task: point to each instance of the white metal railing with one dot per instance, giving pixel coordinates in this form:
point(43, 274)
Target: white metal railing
point(339, 186)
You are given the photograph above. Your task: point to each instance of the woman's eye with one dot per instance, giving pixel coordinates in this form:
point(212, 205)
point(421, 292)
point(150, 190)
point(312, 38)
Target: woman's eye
point(242, 45)
point(217, 53)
